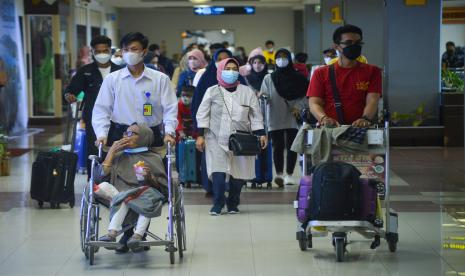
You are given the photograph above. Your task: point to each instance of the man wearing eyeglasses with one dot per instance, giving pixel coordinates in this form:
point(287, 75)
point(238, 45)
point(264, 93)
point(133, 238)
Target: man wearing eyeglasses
point(88, 79)
point(359, 85)
point(135, 94)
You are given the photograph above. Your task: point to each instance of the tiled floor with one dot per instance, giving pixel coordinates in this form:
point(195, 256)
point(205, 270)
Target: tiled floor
point(428, 192)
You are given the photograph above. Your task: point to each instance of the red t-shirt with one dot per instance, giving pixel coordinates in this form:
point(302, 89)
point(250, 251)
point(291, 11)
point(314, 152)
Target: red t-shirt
point(185, 122)
point(353, 83)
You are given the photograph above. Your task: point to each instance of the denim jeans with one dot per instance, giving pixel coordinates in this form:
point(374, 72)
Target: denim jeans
point(219, 188)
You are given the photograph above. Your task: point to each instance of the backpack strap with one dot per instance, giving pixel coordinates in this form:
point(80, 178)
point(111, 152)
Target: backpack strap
point(335, 90)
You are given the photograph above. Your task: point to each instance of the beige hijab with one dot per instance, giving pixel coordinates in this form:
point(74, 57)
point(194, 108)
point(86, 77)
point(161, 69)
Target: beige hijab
point(122, 170)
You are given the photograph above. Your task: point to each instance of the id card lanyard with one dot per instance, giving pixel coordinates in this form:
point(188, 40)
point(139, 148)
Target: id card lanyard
point(147, 105)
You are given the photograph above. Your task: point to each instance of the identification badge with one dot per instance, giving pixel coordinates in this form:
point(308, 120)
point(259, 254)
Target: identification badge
point(147, 105)
point(147, 109)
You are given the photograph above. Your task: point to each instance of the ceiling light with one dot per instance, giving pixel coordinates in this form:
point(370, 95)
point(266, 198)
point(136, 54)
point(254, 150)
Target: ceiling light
point(199, 1)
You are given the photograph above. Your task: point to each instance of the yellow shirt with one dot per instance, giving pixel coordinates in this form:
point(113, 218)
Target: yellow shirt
point(361, 59)
point(269, 56)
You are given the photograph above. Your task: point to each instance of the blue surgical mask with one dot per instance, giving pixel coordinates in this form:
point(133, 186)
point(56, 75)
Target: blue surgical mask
point(229, 76)
point(136, 150)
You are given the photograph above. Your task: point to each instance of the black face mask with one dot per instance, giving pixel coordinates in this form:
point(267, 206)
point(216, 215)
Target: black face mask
point(352, 52)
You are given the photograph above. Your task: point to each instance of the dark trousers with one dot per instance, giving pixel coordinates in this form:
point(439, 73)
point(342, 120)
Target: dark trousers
point(219, 188)
point(282, 139)
point(206, 183)
point(90, 146)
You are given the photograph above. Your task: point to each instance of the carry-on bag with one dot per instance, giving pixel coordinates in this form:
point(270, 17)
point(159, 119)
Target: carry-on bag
point(336, 193)
point(187, 162)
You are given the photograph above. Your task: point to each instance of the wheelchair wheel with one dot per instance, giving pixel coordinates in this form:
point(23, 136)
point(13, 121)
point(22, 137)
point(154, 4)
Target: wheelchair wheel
point(179, 234)
point(82, 228)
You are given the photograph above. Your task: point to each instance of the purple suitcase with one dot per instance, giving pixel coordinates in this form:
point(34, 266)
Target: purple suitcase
point(303, 198)
point(370, 191)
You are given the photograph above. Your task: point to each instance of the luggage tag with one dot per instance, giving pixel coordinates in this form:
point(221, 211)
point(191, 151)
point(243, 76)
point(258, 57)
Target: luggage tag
point(147, 106)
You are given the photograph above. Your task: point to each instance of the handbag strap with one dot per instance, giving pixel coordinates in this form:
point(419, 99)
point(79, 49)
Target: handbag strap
point(227, 109)
point(335, 90)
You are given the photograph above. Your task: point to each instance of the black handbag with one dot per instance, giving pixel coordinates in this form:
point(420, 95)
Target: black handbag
point(242, 143)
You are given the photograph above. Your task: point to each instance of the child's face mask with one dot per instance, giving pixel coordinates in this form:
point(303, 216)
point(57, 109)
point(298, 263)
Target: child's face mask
point(186, 100)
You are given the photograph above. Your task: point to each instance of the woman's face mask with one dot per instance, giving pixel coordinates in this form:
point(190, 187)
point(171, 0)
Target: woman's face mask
point(229, 76)
point(282, 62)
point(193, 64)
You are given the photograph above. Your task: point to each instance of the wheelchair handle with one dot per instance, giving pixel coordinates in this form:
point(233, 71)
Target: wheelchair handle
point(100, 149)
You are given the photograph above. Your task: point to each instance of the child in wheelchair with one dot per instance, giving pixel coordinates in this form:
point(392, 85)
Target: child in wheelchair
point(138, 175)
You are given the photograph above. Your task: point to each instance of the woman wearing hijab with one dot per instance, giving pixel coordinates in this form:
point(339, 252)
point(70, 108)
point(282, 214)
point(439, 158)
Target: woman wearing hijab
point(207, 79)
point(196, 61)
point(245, 70)
point(226, 107)
point(257, 73)
point(285, 89)
point(145, 197)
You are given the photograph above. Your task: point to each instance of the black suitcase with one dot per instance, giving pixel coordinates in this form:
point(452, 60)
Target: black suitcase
point(52, 178)
point(53, 172)
point(336, 193)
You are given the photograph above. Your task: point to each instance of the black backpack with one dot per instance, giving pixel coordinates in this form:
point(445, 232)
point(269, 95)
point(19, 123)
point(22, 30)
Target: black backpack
point(336, 193)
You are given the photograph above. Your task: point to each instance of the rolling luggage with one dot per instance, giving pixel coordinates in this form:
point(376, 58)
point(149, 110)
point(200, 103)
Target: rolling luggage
point(370, 202)
point(264, 160)
point(53, 172)
point(303, 199)
point(52, 178)
point(336, 193)
point(187, 163)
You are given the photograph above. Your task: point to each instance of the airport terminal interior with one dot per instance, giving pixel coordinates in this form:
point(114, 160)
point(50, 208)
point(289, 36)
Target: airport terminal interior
point(54, 220)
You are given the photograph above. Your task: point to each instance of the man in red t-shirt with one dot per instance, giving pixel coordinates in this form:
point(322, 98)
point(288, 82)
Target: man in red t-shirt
point(359, 84)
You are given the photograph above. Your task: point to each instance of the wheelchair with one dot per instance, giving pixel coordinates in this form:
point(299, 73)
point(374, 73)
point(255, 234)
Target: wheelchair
point(175, 237)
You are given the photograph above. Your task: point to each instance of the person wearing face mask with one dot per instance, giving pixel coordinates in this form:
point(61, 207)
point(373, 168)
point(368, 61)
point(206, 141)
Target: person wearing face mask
point(225, 107)
point(245, 70)
point(88, 79)
point(359, 85)
point(208, 79)
point(186, 125)
point(196, 61)
point(301, 64)
point(285, 89)
point(117, 57)
point(257, 73)
point(269, 52)
point(135, 94)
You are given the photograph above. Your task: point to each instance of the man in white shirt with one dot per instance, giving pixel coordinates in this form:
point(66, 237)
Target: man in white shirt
point(135, 94)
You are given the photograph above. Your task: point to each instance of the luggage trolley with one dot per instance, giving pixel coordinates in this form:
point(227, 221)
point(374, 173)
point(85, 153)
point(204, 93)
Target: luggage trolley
point(175, 238)
point(378, 141)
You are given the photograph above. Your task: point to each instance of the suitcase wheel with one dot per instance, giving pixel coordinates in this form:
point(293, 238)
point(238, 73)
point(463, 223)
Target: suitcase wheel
point(41, 204)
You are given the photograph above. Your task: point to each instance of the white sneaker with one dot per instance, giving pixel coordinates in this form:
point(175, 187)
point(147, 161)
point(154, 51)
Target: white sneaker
point(279, 180)
point(288, 180)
